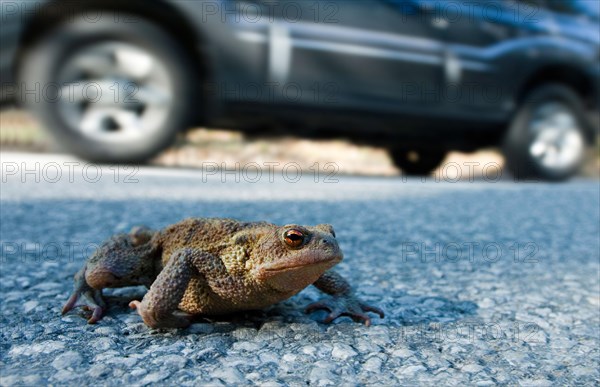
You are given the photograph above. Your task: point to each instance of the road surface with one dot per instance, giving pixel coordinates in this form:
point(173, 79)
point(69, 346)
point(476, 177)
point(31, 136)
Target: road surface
point(482, 282)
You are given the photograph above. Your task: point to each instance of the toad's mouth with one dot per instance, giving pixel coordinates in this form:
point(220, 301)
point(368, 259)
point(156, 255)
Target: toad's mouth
point(295, 274)
point(310, 259)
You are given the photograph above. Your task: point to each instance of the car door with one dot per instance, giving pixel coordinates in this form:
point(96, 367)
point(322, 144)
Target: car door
point(372, 54)
point(482, 38)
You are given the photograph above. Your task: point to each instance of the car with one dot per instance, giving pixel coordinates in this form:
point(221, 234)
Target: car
point(116, 81)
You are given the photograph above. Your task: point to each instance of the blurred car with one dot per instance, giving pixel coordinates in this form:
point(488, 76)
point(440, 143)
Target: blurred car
point(116, 81)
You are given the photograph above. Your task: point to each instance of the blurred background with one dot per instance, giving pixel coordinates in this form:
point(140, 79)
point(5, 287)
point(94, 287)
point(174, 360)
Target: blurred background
point(378, 87)
point(21, 133)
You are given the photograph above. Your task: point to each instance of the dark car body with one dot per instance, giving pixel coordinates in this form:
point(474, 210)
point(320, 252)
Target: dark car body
point(378, 71)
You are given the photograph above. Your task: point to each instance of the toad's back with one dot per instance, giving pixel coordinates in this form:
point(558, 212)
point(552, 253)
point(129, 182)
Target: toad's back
point(211, 235)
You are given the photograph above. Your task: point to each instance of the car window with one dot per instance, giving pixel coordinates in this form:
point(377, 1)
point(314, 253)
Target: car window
point(590, 8)
point(562, 6)
point(533, 3)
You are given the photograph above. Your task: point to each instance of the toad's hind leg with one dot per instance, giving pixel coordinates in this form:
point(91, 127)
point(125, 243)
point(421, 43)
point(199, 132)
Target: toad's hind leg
point(123, 260)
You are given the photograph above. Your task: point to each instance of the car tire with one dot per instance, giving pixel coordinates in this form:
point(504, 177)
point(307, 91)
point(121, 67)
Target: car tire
point(417, 162)
point(143, 87)
point(547, 137)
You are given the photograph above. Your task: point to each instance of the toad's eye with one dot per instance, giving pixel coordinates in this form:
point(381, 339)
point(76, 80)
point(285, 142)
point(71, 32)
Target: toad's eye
point(293, 238)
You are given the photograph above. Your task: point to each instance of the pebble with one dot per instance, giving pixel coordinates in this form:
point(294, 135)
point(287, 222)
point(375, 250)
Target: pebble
point(373, 364)
point(68, 359)
point(229, 375)
point(122, 361)
point(98, 370)
point(411, 369)
point(472, 368)
point(173, 361)
point(322, 376)
point(29, 306)
point(103, 344)
point(402, 353)
point(342, 351)
point(154, 377)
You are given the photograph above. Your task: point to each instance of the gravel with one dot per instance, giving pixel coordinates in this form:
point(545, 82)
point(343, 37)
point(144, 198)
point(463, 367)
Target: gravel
point(525, 316)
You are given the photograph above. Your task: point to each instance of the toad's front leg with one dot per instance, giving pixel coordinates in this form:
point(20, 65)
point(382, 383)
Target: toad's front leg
point(159, 307)
point(342, 302)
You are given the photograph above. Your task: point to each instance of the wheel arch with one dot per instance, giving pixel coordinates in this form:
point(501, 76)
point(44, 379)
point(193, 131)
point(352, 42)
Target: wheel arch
point(162, 13)
point(564, 74)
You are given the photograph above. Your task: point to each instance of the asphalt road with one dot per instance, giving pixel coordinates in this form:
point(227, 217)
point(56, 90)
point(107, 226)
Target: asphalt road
point(482, 282)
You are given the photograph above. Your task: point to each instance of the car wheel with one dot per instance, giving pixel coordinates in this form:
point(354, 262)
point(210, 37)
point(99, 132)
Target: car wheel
point(547, 138)
point(109, 91)
point(417, 162)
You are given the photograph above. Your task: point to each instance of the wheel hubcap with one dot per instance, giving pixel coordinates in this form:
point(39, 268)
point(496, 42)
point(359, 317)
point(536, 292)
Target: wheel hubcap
point(558, 141)
point(115, 92)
